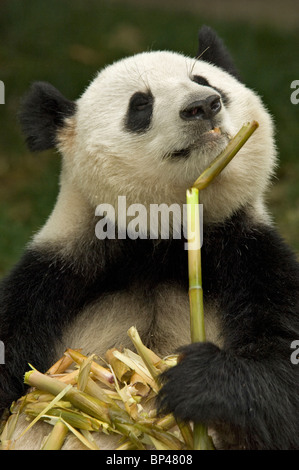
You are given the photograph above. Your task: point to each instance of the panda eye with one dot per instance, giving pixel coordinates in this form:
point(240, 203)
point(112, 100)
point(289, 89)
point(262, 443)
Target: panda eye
point(139, 113)
point(139, 101)
point(200, 80)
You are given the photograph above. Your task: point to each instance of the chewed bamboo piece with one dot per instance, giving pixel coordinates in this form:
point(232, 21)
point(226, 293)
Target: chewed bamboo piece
point(201, 439)
point(100, 372)
point(56, 437)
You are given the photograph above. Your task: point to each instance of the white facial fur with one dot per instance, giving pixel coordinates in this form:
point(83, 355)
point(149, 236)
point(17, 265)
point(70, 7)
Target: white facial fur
point(103, 160)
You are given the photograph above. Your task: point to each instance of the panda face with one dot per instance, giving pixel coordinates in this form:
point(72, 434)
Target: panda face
point(145, 129)
point(148, 125)
point(155, 110)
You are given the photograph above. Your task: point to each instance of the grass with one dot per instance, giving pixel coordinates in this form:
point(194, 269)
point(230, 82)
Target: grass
point(65, 42)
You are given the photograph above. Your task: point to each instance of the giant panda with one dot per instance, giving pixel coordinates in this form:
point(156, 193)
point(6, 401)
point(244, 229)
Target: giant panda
point(145, 129)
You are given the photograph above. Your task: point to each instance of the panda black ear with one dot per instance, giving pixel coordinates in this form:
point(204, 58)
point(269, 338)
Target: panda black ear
point(43, 111)
point(211, 49)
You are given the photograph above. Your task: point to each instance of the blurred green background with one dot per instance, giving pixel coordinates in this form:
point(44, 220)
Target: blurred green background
point(66, 41)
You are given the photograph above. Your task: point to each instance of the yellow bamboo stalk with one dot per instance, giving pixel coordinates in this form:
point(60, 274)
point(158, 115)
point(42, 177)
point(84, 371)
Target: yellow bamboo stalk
point(56, 437)
point(121, 370)
point(147, 355)
point(137, 367)
point(60, 366)
point(102, 374)
point(128, 445)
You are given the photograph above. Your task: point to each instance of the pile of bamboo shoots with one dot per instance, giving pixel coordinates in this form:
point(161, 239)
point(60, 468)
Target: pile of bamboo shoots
point(79, 396)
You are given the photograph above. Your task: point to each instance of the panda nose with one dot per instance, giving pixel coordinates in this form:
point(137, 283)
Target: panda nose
point(202, 109)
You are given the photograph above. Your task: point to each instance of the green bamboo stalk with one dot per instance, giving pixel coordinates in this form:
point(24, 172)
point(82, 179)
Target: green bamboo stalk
point(75, 418)
point(220, 162)
point(201, 440)
point(186, 433)
point(194, 268)
point(81, 400)
point(167, 438)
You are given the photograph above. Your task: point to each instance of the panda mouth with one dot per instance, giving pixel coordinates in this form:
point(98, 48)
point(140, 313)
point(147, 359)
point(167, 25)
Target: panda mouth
point(208, 136)
point(183, 153)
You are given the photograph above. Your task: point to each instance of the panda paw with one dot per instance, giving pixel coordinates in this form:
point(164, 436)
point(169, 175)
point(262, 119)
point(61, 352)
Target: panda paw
point(191, 389)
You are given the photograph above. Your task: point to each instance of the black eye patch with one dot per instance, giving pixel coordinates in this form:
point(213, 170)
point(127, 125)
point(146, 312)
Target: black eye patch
point(204, 82)
point(139, 114)
point(200, 80)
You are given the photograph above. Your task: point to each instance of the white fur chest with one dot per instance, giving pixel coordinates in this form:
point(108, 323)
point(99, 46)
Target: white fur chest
point(161, 317)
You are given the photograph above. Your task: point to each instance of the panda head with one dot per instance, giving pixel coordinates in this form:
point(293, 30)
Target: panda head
point(145, 129)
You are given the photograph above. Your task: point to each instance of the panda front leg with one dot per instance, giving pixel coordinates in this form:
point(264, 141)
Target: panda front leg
point(250, 403)
point(248, 391)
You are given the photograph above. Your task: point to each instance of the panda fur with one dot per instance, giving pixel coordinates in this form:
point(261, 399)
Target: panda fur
point(131, 134)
